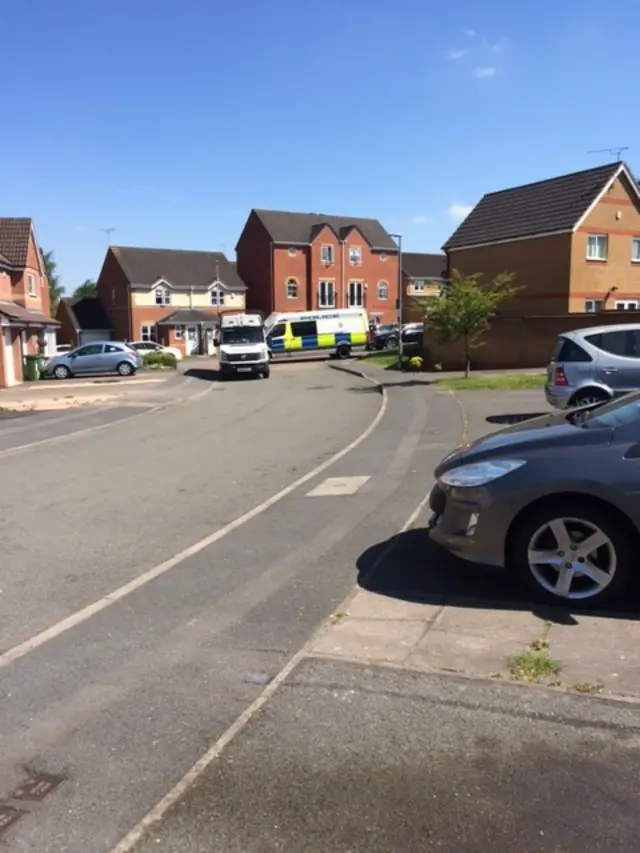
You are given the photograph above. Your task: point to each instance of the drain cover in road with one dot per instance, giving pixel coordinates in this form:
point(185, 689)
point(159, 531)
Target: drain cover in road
point(8, 817)
point(37, 787)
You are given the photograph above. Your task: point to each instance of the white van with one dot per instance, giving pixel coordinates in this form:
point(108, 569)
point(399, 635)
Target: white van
point(309, 331)
point(242, 347)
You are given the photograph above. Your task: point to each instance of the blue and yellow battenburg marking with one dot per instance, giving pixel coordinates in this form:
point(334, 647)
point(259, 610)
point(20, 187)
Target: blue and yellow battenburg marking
point(289, 343)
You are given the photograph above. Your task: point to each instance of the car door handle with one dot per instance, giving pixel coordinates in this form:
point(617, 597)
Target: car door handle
point(609, 370)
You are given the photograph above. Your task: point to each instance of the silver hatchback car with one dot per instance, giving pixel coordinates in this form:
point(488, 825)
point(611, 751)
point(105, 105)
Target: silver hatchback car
point(594, 365)
point(98, 357)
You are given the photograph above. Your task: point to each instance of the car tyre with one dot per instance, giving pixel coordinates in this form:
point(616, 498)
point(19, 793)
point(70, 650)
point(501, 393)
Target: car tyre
point(588, 397)
point(266, 373)
point(125, 369)
point(343, 351)
point(391, 343)
point(61, 372)
point(581, 519)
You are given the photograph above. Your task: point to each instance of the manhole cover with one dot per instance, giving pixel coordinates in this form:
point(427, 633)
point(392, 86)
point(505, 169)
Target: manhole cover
point(37, 788)
point(8, 817)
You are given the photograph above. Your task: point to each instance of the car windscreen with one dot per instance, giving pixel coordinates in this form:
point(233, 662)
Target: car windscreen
point(625, 410)
point(242, 335)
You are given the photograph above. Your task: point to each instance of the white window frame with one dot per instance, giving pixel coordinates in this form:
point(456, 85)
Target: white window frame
point(162, 295)
point(594, 244)
point(627, 304)
point(32, 287)
point(327, 293)
point(355, 256)
point(353, 290)
point(216, 297)
point(149, 335)
point(419, 285)
point(178, 332)
point(593, 306)
point(291, 286)
point(635, 250)
point(383, 291)
point(326, 254)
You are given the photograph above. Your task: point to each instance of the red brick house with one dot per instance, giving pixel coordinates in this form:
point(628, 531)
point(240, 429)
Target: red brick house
point(26, 327)
point(83, 321)
point(305, 261)
point(572, 241)
point(171, 296)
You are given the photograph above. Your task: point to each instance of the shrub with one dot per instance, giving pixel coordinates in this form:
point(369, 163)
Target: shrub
point(415, 363)
point(159, 361)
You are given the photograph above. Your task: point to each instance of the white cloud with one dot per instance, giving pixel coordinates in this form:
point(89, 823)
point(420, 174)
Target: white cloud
point(419, 220)
point(500, 47)
point(458, 211)
point(453, 55)
point(485, 72)
point(470, 33)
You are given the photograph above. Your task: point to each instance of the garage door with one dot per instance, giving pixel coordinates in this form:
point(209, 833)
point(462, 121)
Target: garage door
point(89, 337)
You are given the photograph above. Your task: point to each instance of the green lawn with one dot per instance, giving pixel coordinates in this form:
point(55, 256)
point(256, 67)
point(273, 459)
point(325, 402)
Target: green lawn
point(495, 381)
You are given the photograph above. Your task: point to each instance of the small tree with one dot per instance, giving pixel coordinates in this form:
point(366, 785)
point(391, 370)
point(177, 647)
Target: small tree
point(465, 308)
point(88, 289)
point(56, 290)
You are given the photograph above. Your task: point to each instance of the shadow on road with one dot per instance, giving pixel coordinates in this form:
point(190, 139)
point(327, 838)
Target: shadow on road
point(509, 419)
point(417, 570)
point(207, 374)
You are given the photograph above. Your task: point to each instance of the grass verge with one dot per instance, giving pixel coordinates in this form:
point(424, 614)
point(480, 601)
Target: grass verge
point(494, 382)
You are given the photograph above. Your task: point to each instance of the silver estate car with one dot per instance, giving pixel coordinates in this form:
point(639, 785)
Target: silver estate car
point(97, 357)
point(594, 365)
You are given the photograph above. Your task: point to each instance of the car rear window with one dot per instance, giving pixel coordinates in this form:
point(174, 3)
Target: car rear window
point(568, 350)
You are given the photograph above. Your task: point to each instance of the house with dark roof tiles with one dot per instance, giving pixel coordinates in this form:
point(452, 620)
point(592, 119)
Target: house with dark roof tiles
point(26, 327)
point(305, 261)
point(573, 242)
point(83, 321)
point(172, 296)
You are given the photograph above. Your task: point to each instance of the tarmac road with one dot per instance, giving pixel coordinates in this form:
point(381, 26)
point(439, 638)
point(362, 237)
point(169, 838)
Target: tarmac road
point(142, 609)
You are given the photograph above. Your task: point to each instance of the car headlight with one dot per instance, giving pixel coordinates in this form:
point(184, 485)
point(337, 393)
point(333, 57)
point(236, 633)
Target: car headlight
point(224, 356)
point(480, 473)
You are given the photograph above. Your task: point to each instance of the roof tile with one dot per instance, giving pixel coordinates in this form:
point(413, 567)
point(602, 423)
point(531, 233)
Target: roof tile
point(422, 265)
point(544, 207)
point(286, 227)
point(182, 269)
point(14, 240)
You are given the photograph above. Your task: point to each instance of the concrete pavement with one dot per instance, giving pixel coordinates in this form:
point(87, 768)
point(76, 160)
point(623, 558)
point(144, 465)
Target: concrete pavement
point(169, 577)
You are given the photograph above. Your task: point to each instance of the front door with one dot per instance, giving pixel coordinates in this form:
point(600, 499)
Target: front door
point(210, 343)
point(192, 339)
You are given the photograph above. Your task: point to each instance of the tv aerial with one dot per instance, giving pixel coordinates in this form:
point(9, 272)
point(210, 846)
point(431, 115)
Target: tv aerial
point(614, 151)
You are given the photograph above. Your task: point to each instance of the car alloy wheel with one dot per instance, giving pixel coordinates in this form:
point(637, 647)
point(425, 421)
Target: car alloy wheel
point(62, 372)
point(588, 398)
point(125, 369)
point(575, 551)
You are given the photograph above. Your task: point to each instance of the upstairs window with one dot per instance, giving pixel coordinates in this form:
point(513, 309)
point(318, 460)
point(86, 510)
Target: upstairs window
point(355, 255)
point(597, 247)
point(592, 306)
point(217, 298)
point(383, 290)
point(418, 286)
point(163, 296)
point(635, 250)
point(326, 254)
point(292, 288)
point(31, 284)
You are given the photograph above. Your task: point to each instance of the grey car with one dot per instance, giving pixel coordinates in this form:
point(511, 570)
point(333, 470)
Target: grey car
point(593, 365)
point(96, 357)
point(555, 499)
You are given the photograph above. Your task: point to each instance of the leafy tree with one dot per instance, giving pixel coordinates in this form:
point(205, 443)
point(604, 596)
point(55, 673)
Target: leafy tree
point(56, 290)
point(88, 288)
point(465, 308)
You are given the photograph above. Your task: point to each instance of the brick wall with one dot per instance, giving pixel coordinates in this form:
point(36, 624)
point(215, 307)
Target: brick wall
point(518, 342)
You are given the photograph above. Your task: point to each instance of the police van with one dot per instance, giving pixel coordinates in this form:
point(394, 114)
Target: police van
point(242, 346)
point(339, 330)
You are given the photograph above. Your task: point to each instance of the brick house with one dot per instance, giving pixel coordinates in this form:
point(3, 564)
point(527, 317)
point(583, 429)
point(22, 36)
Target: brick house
point(423, 275)
point(83, 321)
point(26, 327)
point(573, 242)
point(307, 261)
point(171, 296)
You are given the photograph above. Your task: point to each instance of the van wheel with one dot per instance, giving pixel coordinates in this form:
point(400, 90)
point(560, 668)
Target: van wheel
point(588, 397)
point(343, 351)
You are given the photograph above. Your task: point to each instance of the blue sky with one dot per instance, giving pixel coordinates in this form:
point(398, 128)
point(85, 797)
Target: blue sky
point(169, 121)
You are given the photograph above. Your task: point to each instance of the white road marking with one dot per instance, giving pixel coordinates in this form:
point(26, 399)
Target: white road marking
point(333, 486)
point(156, 814)
point(109, 383)
point(86, 613)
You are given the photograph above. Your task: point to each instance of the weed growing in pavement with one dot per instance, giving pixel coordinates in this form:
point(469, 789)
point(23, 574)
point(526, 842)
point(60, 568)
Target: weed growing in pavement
point(535, 663)
point(587, 687)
